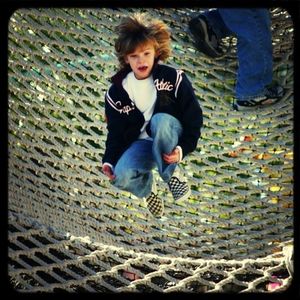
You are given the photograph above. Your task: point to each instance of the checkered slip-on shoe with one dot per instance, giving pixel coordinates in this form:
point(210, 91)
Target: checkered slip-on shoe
point(155, 205)
point(179, 188)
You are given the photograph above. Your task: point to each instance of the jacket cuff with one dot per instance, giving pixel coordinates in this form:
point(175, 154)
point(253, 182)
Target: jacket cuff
point(108, 164)
point(180, 153)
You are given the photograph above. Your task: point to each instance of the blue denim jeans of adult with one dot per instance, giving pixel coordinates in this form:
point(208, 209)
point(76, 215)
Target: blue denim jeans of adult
point(134, 168)
point(252, 28)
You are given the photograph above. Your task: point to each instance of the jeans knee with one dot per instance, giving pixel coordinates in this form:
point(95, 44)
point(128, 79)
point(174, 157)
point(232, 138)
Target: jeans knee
point(125, 174)
point(158, 118)
point(134, 181)
point(163, 122)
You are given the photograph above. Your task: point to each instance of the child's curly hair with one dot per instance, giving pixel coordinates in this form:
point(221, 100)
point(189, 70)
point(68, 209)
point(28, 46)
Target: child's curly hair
point(139, 29)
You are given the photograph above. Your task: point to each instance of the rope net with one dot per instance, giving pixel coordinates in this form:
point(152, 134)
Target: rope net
point(69, 229)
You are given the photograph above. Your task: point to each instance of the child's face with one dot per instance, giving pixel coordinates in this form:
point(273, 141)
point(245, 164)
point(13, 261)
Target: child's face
point(141, 60)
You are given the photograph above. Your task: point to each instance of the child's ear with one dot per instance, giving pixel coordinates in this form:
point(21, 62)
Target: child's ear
point(157, 54)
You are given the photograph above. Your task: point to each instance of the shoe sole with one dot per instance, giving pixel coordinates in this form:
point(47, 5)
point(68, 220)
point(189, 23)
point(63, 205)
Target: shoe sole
point(202, 42)
point(264, 104)
point(185, 196)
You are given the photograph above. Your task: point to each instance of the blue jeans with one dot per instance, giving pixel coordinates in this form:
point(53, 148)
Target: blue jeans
point(134, 168)
point(252, 28)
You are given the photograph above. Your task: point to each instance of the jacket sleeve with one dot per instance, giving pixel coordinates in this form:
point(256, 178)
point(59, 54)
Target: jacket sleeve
point(191, 118)
point(115, 125)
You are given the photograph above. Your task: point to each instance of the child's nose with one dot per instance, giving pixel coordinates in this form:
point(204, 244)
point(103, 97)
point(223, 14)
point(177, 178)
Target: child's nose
point(140, 59)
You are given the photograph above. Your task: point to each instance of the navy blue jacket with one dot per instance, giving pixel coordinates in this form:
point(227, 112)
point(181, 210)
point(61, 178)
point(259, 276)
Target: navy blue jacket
point(175, 96)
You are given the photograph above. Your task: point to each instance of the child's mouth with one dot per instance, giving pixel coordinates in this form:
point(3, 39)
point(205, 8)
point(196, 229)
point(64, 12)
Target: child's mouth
point(143, 68)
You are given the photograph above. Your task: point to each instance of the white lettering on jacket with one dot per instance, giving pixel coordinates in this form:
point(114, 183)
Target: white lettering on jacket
point(118, 105)
point(161, 85)
point(178, 80)
point(166, 85)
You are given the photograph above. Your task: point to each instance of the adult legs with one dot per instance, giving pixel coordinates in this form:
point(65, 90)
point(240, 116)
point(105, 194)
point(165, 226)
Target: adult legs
point(252, 28)
point(254, 49)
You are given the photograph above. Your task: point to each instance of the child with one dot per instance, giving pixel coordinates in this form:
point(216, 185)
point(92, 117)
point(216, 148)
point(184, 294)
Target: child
point(153, 116)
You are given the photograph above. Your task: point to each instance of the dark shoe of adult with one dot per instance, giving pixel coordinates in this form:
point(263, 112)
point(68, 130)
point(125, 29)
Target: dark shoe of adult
point(273, 93)
point(205, 39)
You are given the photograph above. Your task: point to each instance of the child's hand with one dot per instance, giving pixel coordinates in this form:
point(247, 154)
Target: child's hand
point(106, 170)
point(172, 157)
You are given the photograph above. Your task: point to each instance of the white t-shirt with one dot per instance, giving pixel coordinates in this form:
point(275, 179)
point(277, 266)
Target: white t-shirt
point(143, 94)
